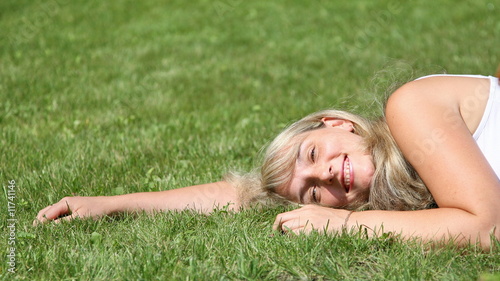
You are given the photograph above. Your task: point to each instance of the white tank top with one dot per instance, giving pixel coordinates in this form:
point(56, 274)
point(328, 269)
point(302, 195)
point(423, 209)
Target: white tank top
point(487, 134)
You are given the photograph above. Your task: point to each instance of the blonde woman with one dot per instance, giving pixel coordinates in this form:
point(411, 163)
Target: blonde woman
point(429, 169)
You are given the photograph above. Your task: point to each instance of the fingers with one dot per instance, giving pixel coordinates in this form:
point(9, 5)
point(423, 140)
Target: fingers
point(277, 223)
point(66, 218)
point(41, 217)
point(307, 219)
point(280, 220)
point(290, 222)
point(53, 212)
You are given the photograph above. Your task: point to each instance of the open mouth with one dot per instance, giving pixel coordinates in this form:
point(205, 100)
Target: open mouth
point(348, 175)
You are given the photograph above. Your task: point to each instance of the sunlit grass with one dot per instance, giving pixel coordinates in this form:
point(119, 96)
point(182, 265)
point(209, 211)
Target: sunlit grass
point(103, 98)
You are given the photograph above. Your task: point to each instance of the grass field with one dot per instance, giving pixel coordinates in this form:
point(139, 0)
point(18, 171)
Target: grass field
point(112, 97)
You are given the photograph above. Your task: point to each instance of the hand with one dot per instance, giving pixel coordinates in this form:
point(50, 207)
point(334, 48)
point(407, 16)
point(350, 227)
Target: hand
point(72, 207)
point(310, 217)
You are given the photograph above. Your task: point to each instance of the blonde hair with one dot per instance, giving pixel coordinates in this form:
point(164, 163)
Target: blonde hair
point(395, 184)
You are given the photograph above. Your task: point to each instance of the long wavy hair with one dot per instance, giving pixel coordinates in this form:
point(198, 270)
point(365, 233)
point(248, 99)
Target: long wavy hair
point(395, 184)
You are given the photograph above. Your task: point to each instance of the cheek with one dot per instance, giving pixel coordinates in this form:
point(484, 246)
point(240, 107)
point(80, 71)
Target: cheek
point(365, 172)
point(333, 198)
point(369, 171)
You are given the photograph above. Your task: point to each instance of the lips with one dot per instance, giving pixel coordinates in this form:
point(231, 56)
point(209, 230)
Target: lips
point(347, 175)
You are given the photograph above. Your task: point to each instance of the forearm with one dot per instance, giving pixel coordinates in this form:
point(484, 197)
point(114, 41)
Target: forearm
point(437, 225)
point(203, 198)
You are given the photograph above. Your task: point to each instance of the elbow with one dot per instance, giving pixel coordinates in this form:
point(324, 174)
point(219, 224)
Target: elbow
point(494, 229)
point(489, 231)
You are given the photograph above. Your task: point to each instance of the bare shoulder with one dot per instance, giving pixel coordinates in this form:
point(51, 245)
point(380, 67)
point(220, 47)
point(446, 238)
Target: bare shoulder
point(432, 121)
point(456, 98)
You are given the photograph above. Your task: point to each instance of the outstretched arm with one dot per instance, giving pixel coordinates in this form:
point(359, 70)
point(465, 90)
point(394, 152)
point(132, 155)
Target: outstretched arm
point(203, 198)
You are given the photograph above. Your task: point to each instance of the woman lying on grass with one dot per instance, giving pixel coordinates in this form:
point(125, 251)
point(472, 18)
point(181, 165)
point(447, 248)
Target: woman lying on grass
point(429, 169)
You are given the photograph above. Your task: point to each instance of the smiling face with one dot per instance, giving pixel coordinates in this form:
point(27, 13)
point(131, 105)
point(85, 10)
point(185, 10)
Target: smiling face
point(331, 168)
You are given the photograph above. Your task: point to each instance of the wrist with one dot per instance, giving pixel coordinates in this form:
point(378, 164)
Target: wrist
point(115, 204)
point(348, 216)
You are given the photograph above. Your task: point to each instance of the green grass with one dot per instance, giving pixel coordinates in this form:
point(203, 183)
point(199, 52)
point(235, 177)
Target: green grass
point(103, 98)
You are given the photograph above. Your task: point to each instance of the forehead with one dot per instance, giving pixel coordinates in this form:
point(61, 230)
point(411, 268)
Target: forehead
point(289, 188)
point(308, 135)
point(288, 191)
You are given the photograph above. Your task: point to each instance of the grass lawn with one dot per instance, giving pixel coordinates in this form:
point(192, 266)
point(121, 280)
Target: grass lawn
point(112, 97)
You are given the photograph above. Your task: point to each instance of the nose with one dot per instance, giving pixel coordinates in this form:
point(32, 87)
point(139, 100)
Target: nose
point(327, 174)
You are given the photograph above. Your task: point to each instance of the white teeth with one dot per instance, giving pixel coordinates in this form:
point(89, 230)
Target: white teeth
point(347, 174)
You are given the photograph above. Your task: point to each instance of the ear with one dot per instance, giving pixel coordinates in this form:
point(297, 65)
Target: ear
point(338, 123)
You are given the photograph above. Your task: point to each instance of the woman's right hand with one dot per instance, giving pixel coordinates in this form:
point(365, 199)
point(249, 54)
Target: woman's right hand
point(69, 208)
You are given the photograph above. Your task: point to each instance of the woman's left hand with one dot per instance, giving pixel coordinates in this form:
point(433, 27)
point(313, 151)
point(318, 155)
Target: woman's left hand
point(311, 217)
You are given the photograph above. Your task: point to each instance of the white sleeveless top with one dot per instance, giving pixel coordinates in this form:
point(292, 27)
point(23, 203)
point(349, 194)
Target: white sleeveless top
point(487, 134)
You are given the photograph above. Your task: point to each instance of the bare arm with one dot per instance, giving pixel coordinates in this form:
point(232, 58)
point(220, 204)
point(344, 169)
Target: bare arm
point(437, 225)
point(432, 126)
point(203, 198)
point(432, 121)
point(434, 225)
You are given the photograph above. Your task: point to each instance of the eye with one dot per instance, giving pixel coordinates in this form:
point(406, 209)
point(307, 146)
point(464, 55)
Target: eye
point(314, 194)
point(313, 154)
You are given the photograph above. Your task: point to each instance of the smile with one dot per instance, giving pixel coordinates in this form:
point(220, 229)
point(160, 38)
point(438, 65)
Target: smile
point(347, 175)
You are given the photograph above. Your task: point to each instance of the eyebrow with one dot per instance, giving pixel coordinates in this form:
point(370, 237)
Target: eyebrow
point(300, 150)
point(302, 190)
